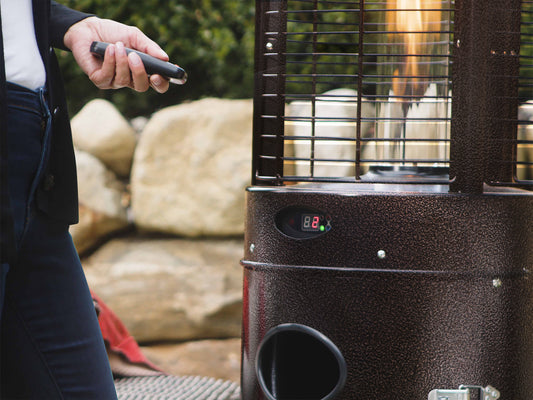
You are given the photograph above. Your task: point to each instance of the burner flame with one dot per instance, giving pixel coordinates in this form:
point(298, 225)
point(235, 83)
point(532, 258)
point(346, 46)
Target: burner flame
point(414, 28)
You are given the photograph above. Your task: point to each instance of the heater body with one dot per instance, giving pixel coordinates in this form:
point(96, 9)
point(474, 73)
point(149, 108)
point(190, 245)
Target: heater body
point(418, 291)
point(389, 225)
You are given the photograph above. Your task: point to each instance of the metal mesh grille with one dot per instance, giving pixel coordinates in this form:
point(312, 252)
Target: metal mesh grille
point(176, 388)
point(371, 72)
point(349, 90)
point(524, 162)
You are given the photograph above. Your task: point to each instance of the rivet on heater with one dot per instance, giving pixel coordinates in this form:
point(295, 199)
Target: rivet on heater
point(382, 254)
point(252, 248)
point(269, 46)
point(497, 282)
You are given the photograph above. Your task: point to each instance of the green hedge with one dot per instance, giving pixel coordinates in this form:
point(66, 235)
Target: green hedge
point(211, 39)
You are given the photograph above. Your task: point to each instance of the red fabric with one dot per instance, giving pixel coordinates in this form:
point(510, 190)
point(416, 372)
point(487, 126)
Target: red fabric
point(117, 336)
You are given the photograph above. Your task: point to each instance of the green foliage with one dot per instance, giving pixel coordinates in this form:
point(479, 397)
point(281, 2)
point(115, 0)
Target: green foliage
point(214, 41)
point(323, 47)
point(211, 39)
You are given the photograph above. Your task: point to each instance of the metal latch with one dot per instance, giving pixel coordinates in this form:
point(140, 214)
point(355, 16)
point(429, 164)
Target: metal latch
point(464, 392)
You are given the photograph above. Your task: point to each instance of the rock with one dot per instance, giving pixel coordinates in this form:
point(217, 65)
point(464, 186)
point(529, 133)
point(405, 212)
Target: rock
point(336, 111)
point(170, 289)
point(139, 123)
point(525, 150)
point(100, 196)
point(191, 167)
point(102, 131)
point(220, 359)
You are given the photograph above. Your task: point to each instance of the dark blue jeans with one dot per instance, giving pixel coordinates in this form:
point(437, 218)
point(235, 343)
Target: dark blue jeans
point(51, 345)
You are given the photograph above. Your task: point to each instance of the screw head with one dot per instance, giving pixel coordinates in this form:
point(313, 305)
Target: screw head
point(497, 282)
point(269, 46)
point(382, 254)
point(252, 248)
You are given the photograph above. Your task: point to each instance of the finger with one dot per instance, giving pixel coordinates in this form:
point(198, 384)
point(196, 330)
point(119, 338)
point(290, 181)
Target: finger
point(103, 76)
point(141, 83)
point(159, 83)
point(143, 43)
point(154, 50)
point(122, 69)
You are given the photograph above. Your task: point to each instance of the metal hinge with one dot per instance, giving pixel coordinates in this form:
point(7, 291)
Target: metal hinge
point(464, 392)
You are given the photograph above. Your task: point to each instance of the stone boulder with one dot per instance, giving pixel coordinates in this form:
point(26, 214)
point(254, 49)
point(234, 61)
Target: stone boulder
point(191, 167)
point(336, 113)
point(525, 150)
point(101, 203)
point(219, 359)
point(170, 289)
point(102, 131)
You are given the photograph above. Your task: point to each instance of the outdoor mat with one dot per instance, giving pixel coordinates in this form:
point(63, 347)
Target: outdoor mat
point(166, 387)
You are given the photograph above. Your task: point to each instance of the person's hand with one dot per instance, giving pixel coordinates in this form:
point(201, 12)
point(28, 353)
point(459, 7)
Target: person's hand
point(117, 69)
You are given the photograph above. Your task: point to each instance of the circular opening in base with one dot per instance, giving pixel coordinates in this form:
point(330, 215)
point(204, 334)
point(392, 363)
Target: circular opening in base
point(298, 362)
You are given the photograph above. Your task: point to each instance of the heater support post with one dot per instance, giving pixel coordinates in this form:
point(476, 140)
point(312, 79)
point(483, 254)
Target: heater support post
point(269, 102)
point(485, 78)
point(470, 91)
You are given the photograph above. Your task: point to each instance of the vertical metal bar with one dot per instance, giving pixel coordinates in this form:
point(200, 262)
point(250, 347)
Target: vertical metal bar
point(314, 87)
point(281, 85)
point(523, 160)
point(269, 111)
point(504, 84)
point(481, 149)
point(360, 54)
point(470, 111)
point(259, 66)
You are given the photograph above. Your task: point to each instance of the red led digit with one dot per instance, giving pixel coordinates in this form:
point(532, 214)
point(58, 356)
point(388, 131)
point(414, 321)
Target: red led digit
point(316, 219)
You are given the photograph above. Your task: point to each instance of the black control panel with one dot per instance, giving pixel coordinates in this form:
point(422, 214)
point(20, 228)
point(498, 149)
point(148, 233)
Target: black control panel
point(303, 222)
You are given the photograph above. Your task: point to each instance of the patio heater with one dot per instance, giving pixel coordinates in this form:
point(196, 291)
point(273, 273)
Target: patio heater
point(389, 225)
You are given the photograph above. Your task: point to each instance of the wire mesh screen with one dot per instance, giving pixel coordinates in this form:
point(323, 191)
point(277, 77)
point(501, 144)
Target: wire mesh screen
point(363, 91)
point(524, 161)
point(382, 83)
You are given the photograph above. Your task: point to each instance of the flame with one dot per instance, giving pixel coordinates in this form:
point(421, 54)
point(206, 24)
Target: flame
point(418, 23)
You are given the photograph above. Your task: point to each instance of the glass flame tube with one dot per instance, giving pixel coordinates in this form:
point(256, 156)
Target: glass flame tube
point(412, 104)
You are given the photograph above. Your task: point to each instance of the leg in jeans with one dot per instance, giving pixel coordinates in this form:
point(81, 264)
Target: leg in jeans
point(51, 345)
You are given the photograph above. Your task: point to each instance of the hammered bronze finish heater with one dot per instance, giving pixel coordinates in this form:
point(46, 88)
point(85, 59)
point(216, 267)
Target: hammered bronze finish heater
point(389, 225)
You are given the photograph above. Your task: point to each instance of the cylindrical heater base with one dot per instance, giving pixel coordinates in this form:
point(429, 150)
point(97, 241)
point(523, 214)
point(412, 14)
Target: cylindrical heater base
point(400, 295)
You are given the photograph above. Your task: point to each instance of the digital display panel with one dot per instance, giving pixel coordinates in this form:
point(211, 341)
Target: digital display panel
point(303, 222)
point(311, 222)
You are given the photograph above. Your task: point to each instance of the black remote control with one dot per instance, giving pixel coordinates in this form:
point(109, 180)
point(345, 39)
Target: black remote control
point(152, 65)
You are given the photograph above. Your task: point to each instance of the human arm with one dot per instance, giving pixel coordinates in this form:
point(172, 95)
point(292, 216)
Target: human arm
point(117, 69)
point(61, 19)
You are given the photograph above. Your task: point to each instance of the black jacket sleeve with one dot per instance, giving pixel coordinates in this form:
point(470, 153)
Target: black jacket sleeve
point(62, 18)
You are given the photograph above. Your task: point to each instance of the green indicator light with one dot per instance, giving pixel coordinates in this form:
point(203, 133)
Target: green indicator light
point(322, 228)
